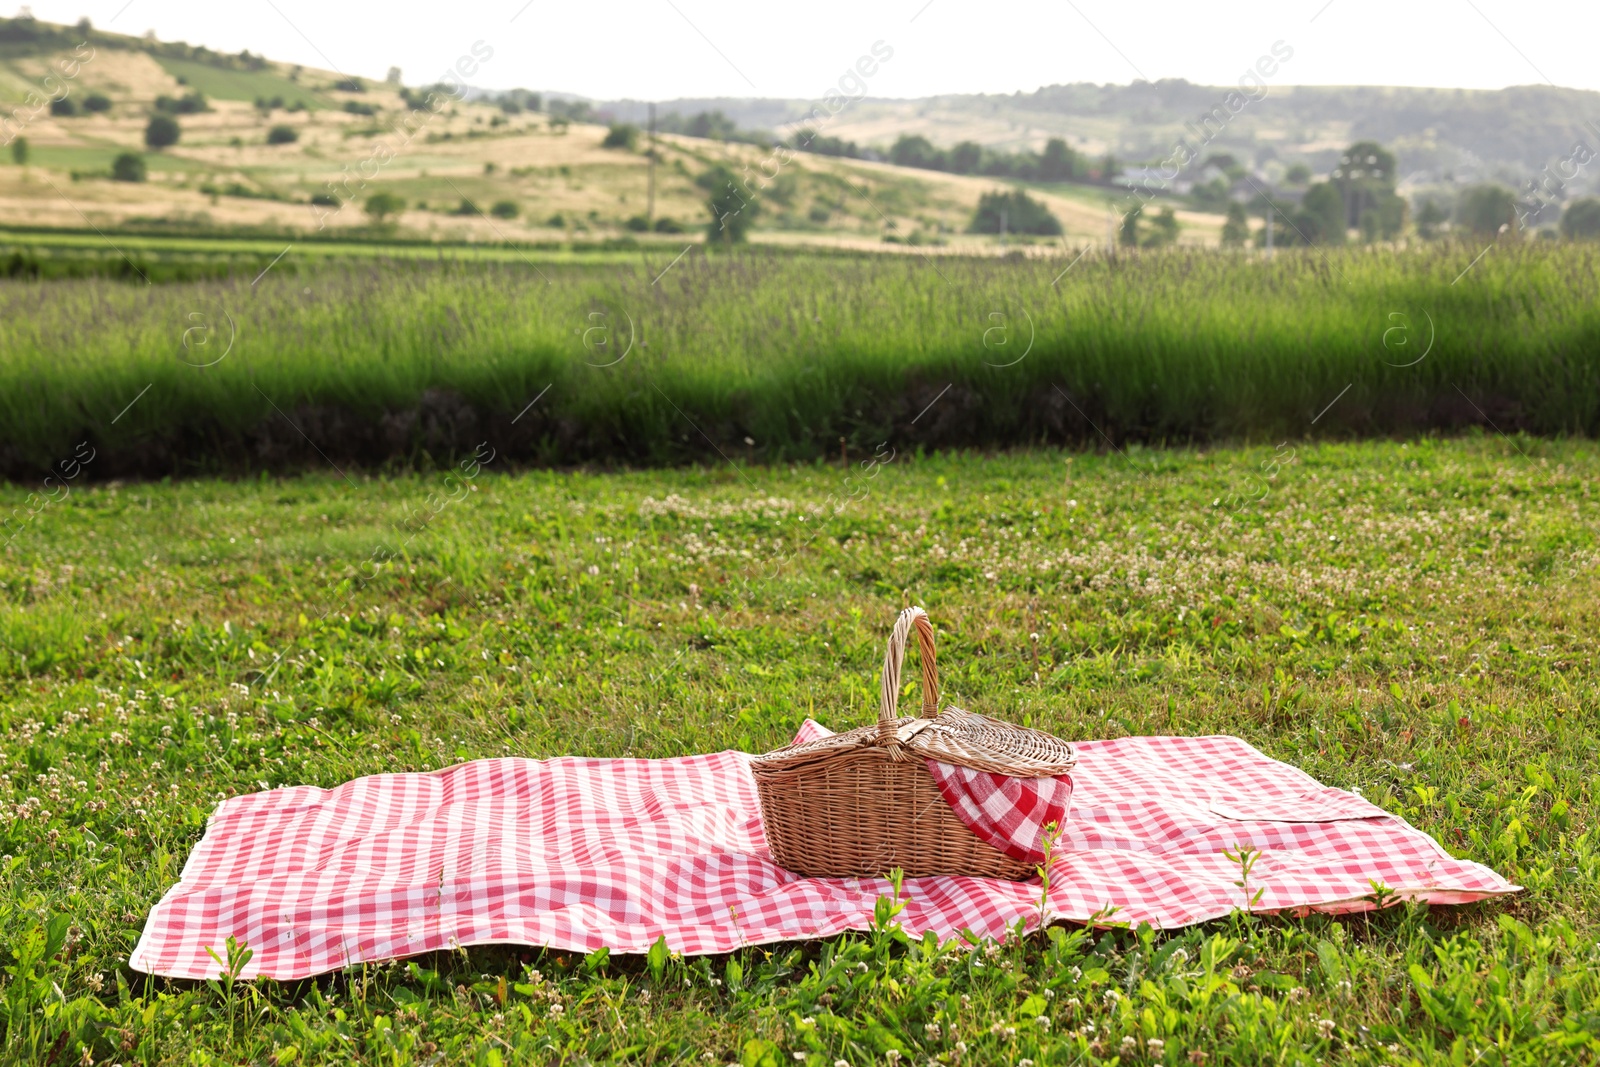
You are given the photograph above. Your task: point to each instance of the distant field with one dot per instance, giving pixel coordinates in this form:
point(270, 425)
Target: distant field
point(244, 85)
point(658, 357)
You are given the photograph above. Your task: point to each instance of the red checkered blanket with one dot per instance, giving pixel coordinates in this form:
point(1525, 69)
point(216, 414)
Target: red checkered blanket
point(580, 853)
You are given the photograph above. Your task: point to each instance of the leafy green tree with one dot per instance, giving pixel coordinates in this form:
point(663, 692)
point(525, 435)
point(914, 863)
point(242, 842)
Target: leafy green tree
point(64, 107)
point(97, 102)
point(622, 135)
point(19, 151)
point(505, 209)
point(1013, 212)
point(733, 207)
point(1164, 229)
point(129, 167)
point(380, 206)
point(1581, 219)
point(1058, 163)
point(713, 125)
point(1298, 174)
point(1128, 232)
point(1365, 167)
point(162, 132)
point(966, 157)
point(1485, 209)
point(1322, 215)
point(914, 150)
point(1429, 217)
point(1236, 230)
point(282, 135)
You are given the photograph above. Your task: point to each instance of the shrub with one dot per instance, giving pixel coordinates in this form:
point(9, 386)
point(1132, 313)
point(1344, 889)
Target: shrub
point(732, 212)
point(162, 132)
point(97, 102)
point(558, 220)
point(282, 135)
point(350, 85)
point(129, 167)
point(381, 205)
point(19, 151)
point(1321, 219)
point(1581, 219)
point(188, 104)
point(325, 200)
point(621, 135)
point(1429, 216)
point(639, 224)
point(1236, 231)
point(1016, 212)
point(1483, 209)
point(505, 209)
point(1165, 229)
point(356, 107)
point(65, 107)
point(466, 207)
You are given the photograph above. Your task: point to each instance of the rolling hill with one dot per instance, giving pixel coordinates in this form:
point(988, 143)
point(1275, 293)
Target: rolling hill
point(450, 163)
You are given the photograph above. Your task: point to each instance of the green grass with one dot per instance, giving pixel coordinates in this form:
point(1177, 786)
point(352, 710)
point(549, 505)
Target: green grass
point(1416, 621)
point(157, 259)
point(245, 85)
point(794, 351)
point(91, 159)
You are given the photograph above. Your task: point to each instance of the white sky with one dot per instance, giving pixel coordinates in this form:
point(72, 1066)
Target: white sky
point(660, 49)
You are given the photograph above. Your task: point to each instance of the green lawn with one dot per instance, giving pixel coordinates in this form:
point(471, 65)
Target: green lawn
point(1413, 620)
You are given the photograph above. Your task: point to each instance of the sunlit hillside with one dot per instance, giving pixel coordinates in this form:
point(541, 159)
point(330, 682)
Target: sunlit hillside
point(462, 169)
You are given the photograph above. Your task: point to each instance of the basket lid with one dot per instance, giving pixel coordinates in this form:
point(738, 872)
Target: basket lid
point(954, 736)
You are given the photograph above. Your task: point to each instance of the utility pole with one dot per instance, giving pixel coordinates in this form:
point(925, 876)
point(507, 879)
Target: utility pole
point(650, 209)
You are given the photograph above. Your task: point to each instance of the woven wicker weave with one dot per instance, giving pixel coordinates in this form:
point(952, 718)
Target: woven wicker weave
point(861, 803)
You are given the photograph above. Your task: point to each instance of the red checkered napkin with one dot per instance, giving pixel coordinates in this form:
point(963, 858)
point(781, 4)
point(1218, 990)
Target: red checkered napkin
point(1009, 813)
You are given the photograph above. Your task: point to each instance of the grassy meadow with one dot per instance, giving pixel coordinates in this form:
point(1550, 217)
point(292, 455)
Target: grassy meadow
point(1415, 620)
point(774, 356)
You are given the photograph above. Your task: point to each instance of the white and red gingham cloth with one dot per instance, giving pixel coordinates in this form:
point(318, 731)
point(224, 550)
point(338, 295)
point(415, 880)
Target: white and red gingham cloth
point(1012, 814)
point(579, 853)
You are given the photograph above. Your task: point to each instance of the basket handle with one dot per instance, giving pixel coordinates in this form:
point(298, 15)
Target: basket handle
point(894, 657)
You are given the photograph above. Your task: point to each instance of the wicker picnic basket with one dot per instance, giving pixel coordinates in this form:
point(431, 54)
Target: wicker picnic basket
point(861, 803)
